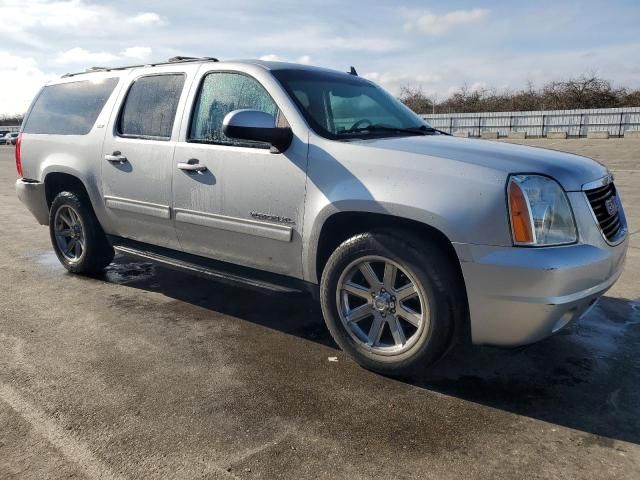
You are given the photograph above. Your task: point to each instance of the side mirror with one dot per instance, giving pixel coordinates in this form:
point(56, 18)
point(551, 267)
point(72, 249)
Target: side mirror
point(257, 126)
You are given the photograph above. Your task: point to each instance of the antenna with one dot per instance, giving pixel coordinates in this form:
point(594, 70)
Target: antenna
point(353, 71)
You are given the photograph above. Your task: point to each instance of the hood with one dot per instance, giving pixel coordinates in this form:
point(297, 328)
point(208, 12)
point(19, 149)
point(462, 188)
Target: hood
point(571, 171)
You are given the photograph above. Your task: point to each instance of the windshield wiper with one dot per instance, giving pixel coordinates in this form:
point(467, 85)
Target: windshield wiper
point(421, 130)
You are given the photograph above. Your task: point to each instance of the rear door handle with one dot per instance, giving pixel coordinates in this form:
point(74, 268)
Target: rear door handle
point(115, 157)
point(192, 165)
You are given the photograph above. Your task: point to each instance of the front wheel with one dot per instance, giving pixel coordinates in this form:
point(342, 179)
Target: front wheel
point(388, 301)
point(76, 235)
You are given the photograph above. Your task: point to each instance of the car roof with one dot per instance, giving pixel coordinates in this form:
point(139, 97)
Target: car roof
point(266, 64)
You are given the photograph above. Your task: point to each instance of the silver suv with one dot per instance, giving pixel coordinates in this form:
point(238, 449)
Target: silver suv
point(288, 177)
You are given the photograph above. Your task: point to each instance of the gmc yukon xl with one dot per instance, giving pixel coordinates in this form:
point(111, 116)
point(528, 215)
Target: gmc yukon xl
point(289, 177)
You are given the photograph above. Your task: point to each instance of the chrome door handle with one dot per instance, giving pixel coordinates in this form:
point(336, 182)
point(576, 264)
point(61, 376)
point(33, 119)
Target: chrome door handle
point(191, 165)
point(115, 157)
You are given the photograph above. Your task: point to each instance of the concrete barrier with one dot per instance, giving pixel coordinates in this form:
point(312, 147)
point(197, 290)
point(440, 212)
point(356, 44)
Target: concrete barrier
point(557, 135)
point(632, 134)
point(598, 134)
point(461, 134)
point(489, 135)
point(519, 135)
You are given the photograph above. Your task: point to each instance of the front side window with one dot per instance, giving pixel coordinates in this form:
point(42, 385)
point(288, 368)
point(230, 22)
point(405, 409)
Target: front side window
point(69, 108)
point(343, 106)
point(150, 107)
point(221, 93)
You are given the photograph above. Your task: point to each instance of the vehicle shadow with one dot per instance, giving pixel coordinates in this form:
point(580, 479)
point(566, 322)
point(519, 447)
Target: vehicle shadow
point(295, 314)
point(586, 377)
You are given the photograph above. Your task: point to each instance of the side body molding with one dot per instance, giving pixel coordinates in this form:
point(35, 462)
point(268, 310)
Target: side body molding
point(281, 233)
point(137, 206)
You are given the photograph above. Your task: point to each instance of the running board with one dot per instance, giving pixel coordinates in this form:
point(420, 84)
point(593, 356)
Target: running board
point(209, 268)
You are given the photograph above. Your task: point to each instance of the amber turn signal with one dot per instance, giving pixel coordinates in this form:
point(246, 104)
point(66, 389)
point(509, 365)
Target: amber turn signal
point(521, 226)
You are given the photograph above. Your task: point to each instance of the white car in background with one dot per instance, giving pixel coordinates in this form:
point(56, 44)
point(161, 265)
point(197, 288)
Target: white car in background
point(9, 139)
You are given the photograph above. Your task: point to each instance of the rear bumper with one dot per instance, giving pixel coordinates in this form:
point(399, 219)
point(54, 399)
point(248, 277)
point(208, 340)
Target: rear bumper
point(32, 194)
point(521, 295)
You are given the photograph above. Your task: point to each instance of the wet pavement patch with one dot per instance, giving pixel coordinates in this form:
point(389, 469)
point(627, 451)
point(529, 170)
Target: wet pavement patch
point(122, 271)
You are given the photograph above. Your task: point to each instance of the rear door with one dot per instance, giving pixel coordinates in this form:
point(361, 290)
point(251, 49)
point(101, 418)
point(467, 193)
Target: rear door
point(138, 154)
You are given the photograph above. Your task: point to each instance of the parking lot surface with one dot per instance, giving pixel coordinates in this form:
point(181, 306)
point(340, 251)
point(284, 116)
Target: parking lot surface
point(149, 373)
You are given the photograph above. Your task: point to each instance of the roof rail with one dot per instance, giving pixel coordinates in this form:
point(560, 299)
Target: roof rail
point(180, 58)
point(172, 60)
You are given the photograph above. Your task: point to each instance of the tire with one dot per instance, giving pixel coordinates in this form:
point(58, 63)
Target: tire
point(72, 224)
point(426, 266)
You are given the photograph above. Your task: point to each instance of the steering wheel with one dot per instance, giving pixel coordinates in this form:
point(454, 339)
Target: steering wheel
point(363, 123)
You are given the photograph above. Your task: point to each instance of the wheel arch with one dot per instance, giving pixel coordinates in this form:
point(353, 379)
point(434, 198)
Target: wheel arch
point(56, 182)
point(343, 225)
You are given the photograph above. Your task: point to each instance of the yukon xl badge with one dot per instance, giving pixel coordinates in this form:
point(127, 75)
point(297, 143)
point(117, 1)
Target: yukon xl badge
point(271, 218)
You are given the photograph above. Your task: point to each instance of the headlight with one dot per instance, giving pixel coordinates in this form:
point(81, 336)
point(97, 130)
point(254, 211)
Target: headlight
point(540, 212)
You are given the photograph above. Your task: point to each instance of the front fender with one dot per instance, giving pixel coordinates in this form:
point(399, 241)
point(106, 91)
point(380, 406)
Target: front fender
point(362, 206)
point(466, 203)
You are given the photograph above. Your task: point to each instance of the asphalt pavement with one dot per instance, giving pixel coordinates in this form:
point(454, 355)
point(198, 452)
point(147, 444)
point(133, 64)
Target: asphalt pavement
point(148, 373)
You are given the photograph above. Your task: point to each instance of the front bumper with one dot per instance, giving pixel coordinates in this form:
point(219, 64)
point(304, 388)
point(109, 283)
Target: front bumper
point(521, 295)
point(32, 194)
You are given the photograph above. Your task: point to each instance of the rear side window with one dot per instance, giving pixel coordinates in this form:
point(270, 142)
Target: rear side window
point(150, 107)
point(69, 108)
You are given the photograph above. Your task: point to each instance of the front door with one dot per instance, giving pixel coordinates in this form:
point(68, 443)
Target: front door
point(138, 158)
point(244, 204)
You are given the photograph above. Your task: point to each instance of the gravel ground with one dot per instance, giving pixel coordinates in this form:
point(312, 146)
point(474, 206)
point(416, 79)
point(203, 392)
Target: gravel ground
point(148, 373)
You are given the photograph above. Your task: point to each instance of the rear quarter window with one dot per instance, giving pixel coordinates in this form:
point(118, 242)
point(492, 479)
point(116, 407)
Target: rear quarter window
point(69, 108)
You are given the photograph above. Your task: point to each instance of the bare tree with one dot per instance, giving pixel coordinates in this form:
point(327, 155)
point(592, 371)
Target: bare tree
point(415, 99)
point(585, 91)
point(631, 98)
point(10, 119)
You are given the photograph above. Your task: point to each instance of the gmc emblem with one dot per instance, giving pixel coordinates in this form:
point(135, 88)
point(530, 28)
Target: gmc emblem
point(611, 204)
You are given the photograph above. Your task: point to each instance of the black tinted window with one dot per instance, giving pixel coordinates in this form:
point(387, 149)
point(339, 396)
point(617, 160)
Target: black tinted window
point(220, 94)
point(150, 107)
point(69, 108)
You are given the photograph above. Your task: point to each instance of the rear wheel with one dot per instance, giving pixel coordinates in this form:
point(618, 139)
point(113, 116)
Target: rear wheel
point(76, 235)
point(388, 300)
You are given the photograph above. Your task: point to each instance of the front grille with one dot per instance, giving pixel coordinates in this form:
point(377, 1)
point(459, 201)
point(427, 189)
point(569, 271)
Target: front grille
point(606, 208)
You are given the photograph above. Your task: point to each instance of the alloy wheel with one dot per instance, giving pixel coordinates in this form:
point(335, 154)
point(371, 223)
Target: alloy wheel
point(381, 305)
point(69, 233)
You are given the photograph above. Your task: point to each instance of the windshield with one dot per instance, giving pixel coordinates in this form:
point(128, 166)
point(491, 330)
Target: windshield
point(343, 106)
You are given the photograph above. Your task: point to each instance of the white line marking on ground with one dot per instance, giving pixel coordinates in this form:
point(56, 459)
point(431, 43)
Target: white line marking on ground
point(73, 449)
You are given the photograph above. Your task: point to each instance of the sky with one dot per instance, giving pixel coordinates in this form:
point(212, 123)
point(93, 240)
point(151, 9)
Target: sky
point(437, 46)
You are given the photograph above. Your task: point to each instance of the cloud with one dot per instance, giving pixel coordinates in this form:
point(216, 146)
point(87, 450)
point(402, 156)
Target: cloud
point(80, 55)
point(141, 53)
point(21, 79)
point(539, 42)
point(318, 38)
point(434, 24)
point(147, 19)
point(272, 57)
point(33, 19)
point(488, 70)
point(31, 14)
point(394, 81)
